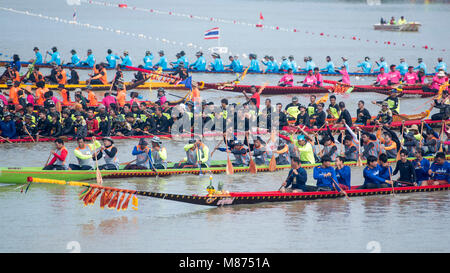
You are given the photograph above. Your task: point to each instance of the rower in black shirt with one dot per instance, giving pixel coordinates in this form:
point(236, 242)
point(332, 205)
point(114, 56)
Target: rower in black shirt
point(362, 114)
point(303, 117)
point(406, 169)
point(320, 116)
point(345, 115)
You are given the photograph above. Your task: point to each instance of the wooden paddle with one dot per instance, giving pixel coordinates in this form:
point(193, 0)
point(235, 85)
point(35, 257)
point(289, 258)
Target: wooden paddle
point(390, 178)
point(217, 146)
point(441, 136)
point(230, 169)
point(98, 174)
point(359, 163)
point(252, 166)
point(337, 184)
point(46, 163)
point(5, 139)
point(26, 130)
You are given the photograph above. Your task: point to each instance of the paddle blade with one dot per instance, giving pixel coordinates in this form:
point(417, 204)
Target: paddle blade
point(252, 167)
point(99, 177)
point(272, 164)
point(230, 169)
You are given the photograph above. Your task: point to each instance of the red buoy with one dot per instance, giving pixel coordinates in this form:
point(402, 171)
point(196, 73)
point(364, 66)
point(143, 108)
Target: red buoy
point(123, 5)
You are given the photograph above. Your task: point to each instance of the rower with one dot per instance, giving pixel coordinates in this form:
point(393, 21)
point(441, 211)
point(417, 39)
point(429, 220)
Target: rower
point(421, 65)
point(285, 65)
point(380, 65)
point(268, 63)
point(439, 171)
point(406, 169)
point(431, 143)
point(350, 149)
point(256, 94)
point(402, 67)
point(287, 79)
point(366, 66)
point(292, 63)
point(343, 173)
point(441, 65)
point(443, 104)
point(296, 179)
point(235, 64)
point(310, 65)
point(240, 153)
point(38, 56)
point(421, 166)
point(200, 63)
point(126, 60)
point(159, 154)
point(293, 109)
point(8, 127)
point(370, 144)
point(385, 170)
point(325, 176)
point(85, 154)
point(90, 59)
point(318, 76)
point(148, 59)
point(382, 78)
point(309, 80)
point(394, 76)
point(197, 154)
point(371, 174)
point(284, 156)
point(401, 21)
point(345, 63)
point(344, 115)
point(254, 65)
point(162, 61)
point(181, 71)
point(161, 96)
point(58, 161)
point(320, 116)
point(74, 60)
point(217, 64)
point(330, 66)
point(390, 146)
point(345, 77)
point(410, 77)
point(305, 149)
point(100, 78)
point(333, 108)
point(362, 114)
point(109, 152)
point(303, 117)
point(55, 58)
point(312, 106)
point(259, 151)
point(329, 147)
point(439, 79)
point(111, 59)
point(143, 157)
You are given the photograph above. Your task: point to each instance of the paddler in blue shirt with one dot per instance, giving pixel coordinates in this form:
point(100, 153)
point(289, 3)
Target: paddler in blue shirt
point(366, 66)
point(200, 63)
point(275, 67)
point(126, 60)
point(421, 166)
point(268, 63)
point(38, 55)
point(421, 65)
point(55, 56)
point(345, 63)
point(184, 59)
point(235, 64)
point(293, 63)
point(372, 178)
point(380, 65)
point(74, 60)
point(296, 179)
point(162, 61)
point(217, 64)
point(330, 66)
point(285, 65)
point(112, 59)
point(325, 176)
point(177, 62)
point(343, 173)
point(310, 65)
point(143, 155)
point(90, 59)
point(402, 67)
point(148, 60)
point(254, 65)
point(441, 65)
point(439, 171)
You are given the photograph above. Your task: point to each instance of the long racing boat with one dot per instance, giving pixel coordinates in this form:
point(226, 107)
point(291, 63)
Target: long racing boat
point(18, 175)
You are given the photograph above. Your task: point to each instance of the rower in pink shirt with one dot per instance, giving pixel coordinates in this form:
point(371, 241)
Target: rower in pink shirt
point(287, 79)
point(394, 75)
point(382, 78)
point(309, 80)
point(410, 76)
point(319, 78)
point(438, 80)
point(345, 77)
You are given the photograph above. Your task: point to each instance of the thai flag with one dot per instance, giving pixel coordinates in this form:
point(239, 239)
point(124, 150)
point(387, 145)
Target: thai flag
point(212, 34)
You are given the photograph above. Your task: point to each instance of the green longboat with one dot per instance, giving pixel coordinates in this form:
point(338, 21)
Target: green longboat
point(18, 175)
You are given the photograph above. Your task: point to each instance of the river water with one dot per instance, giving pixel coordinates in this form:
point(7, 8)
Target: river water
point(50, 218)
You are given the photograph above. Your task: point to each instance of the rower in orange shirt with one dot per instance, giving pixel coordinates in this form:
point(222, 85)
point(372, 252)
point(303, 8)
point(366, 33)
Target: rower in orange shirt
point(65, 95)
point(100, 76)
point(91, 96)
point(40, 91)
point(61, 75)
point(121, 94)
point(13, 93)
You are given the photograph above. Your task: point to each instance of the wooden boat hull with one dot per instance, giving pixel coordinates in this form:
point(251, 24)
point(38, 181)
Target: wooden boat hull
point(19, 175)
point(413, 26)
point(249, 198)
point(358, 74)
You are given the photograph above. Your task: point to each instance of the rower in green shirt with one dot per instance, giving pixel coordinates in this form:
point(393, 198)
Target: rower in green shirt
point(305, 149)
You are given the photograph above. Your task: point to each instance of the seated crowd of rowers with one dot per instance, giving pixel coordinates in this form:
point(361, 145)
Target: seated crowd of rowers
point(216, 64)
